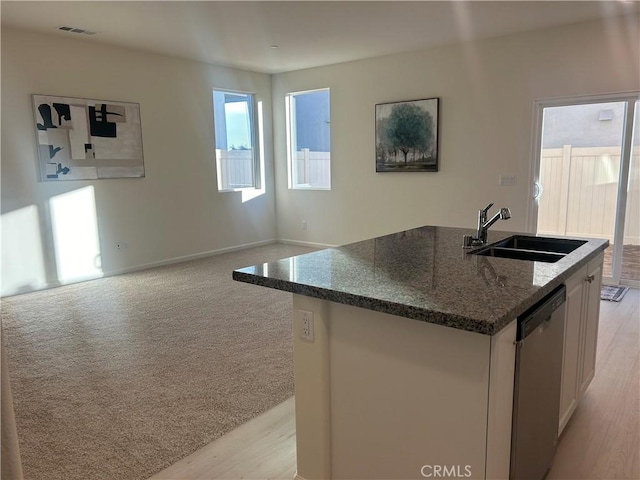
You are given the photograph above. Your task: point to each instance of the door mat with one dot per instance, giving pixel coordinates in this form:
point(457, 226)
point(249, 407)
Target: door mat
point(613, 294)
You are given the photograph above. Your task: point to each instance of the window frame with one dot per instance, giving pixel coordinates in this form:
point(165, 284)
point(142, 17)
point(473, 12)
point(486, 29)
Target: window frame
point(254, 135)
point(630, 98)
point(289, 123)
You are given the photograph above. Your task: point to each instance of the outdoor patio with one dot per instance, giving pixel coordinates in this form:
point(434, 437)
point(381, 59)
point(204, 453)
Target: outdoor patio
point(630, 262)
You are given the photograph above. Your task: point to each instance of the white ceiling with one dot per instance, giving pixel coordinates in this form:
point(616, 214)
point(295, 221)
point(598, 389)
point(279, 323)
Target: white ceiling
point(309, 34)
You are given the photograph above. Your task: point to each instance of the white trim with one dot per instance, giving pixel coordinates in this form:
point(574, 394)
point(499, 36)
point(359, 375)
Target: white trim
point(193, 256)
point(313, 90)
point(173, 260)
point(231, 90)
point(630, 98)
point(256, 153)
point(531, 217)
point(312, 380)
point(300, 243)
point(290, 126)
point(301, 186)
point(287, 127)
point(502, 360)
point(587, 99)
point(623, 185)
point(539, 105)
point(298, 477)
point(147, 266)
point(239, 189)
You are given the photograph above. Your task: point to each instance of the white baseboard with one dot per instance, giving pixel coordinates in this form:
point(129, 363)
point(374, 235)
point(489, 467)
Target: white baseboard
point(298, 477)
point(186, 258)
point(219, 251)
point(170, 261)
point(144, 266)
point(305, 244)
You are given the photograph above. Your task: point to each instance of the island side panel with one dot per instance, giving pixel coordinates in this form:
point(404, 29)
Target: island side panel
point(407, 397)
point(499, 420)
point(311, 372)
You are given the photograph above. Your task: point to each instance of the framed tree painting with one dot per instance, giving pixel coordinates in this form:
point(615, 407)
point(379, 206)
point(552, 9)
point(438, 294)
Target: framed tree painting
point(407, 136)
point(83, 139)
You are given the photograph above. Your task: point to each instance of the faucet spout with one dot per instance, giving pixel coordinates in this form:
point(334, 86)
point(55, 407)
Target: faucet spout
point(484, 224)
point(503, 214)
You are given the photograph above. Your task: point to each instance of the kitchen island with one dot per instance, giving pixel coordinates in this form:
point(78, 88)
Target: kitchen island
point(408, 368)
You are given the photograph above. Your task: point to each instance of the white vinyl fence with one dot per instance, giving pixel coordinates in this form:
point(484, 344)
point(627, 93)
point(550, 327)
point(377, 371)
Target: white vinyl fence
point(235, 169)
point(313, 169)
point(580, 188)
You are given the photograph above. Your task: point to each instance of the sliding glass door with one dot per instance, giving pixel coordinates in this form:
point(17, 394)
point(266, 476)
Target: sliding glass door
point(587, 177)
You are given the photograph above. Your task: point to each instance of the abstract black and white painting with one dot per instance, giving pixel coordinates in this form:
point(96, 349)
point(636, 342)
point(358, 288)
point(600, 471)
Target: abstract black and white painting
point(82, 139)
point(407, 136)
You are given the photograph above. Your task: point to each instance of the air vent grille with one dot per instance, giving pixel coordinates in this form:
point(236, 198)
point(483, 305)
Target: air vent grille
point(82, 31)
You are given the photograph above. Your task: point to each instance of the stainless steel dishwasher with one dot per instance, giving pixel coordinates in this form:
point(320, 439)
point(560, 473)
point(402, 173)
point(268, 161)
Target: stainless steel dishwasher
point(536, 399)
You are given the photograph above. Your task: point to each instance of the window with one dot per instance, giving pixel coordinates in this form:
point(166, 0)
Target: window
point(236, 157)
point(309, 140)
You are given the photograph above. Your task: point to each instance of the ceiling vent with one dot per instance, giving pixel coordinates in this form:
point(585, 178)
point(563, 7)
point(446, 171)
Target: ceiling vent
point(64, 28)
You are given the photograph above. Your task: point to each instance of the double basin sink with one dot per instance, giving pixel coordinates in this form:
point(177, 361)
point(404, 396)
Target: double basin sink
point(534, 249)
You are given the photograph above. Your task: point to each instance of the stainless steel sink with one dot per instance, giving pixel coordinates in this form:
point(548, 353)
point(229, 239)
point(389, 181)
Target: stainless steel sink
point(533, 249)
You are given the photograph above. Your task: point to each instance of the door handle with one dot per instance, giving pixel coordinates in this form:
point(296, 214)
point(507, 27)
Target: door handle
point(590, 278)
point(537, 187)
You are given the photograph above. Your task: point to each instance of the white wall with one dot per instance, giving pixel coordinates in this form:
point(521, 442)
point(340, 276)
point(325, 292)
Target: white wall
point(176, 209)
point(487, 90)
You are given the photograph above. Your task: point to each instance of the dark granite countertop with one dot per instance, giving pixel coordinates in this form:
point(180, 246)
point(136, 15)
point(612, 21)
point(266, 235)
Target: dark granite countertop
point(423, 274)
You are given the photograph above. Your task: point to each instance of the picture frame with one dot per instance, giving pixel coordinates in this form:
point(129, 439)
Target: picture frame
point(87, 139)
point(408, 136)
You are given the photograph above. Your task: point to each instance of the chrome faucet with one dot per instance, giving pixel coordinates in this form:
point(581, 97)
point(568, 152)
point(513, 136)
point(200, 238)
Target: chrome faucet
point(483, 226)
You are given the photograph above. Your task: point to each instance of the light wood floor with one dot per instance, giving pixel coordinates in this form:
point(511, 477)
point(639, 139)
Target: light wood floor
point(263, 448)
point(602, 440)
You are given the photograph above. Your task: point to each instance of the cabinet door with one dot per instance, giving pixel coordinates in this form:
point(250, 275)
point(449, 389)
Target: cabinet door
point(590, 325)
point(571, 355)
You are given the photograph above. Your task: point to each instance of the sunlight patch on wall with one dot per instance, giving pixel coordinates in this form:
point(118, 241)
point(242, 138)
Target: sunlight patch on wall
point(75, 235)
point(22, 259)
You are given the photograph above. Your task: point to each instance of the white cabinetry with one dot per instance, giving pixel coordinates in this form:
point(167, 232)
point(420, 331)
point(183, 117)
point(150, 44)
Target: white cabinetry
point(590, 326)
point(580, 336)
point(571, 356)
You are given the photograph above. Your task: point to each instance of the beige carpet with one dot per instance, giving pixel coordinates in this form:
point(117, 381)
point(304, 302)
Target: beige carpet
point(120, 377)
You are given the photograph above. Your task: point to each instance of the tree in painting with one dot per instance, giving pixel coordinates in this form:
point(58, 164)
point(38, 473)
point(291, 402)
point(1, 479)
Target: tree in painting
point(409, 128)
point(406, 137)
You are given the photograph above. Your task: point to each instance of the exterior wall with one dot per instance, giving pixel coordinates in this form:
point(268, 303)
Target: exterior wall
point(581, 126)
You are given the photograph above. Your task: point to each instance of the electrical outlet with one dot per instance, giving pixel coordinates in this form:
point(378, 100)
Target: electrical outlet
point(306, 325)
point(304, 224)
point(507, 180)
